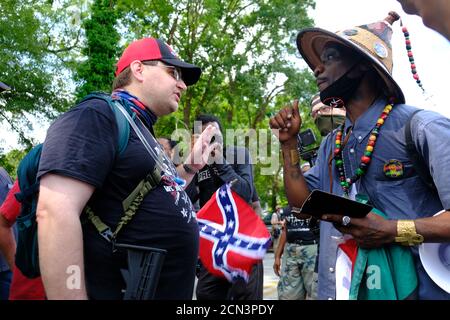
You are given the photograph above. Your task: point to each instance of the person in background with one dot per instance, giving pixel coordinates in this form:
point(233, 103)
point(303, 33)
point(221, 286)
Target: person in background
point(226, 164)
point(167, 145)
point(325, 117)
point(298, 249)
point(22, 288)
point(305, 167)
point(256, 204)
point(7, 237)
point(435, 13)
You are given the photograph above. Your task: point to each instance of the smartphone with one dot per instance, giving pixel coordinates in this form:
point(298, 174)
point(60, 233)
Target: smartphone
point(216, 138)
point(320, 202)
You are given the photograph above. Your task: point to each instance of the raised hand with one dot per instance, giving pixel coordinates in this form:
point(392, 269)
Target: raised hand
point(202, 148)
point(286, 123)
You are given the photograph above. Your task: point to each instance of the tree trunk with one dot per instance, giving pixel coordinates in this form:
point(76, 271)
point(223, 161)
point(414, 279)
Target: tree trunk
point(187, 109)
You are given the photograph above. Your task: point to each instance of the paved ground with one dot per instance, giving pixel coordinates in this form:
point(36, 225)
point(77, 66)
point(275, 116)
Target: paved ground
point(270, 279)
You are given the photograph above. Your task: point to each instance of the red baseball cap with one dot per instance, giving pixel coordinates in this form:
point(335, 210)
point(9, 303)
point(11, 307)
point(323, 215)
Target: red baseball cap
point(156, 49)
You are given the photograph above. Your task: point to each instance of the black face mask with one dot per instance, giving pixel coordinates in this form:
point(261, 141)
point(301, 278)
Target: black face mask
point(342, 89)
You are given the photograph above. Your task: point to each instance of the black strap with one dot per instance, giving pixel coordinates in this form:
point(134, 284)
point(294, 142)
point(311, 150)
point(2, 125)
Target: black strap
point(416, 158)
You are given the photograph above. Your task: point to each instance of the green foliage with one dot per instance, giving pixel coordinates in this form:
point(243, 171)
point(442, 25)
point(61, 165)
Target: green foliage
point(102, 38)
point(31, 63)
point(246, 49)
point(11, 160)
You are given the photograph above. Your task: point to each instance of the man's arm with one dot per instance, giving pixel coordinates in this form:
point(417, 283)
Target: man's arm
point(9, 211)
point(434, 229)
point(240, 173)
point(61, 201)
point(374, 231)
point(286, 125)
point(279, 251)
point(256, 206)
point(7, 241)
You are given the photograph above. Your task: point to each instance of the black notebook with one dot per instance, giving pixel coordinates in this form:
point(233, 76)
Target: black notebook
point(319, 203)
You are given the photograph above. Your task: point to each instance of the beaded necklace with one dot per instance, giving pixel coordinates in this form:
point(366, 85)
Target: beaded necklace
point(411, 56)
point(365, 159)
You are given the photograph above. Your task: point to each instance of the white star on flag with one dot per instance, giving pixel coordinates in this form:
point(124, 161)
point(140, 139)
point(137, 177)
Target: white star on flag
point(185, 198)
point(228, 208)
point(223, 193)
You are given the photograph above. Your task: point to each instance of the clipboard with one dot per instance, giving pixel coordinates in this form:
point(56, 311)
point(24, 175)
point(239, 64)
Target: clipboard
point(320, 202)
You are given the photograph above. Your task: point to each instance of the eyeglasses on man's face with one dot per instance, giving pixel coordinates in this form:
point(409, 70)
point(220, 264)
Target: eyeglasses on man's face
point(173, 71)
point(321, 110)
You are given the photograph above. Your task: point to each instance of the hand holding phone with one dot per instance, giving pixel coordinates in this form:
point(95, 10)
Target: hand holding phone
point(320, 202)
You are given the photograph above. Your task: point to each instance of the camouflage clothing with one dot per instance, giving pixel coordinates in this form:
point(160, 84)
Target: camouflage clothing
point(297, 272)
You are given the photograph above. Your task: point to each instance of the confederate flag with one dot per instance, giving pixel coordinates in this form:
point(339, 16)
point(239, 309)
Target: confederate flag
point(232, 236)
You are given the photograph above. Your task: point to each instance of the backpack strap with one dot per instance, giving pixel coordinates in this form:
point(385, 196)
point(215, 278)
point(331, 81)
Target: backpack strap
point(124, 118)
point(26, 174)
point(130, 206)
point(416, 158)
point(122, 123)
point(133, 201)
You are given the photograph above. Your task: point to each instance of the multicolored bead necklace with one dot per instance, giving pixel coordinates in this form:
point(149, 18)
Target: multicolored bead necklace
point(410, 56)
point(365, 159)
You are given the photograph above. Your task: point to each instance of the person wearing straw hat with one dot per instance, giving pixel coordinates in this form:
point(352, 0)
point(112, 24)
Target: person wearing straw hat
point(81, 163)
point(365, 159)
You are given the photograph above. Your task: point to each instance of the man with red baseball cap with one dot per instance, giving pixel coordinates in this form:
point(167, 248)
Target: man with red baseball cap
point(81, 164)
point(156, 49)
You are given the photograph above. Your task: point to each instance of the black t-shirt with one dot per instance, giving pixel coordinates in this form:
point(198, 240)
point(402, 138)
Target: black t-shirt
point(82, 144)
point(236, 166)
point(297, 229)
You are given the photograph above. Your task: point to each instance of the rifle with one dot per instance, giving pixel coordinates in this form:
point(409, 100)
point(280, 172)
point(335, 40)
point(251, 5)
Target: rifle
point(144, 268)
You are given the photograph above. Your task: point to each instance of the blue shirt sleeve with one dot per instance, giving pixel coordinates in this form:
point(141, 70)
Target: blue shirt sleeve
point(431, 134)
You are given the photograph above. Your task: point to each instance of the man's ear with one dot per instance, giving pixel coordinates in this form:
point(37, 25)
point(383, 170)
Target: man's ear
point(137, 67)
point(363, 66)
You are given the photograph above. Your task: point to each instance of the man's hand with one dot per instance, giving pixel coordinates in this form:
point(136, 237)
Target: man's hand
point(286, 123)
point(372, 231)
point(277, 266)
point(202, 148)
point(216, 155)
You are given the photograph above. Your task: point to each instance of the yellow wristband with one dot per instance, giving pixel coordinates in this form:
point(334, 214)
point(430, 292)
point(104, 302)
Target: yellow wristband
point(293, 157)
point(406, 233)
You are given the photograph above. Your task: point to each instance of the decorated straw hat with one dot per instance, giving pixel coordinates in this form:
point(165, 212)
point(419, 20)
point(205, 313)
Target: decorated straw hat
point(373, 41)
